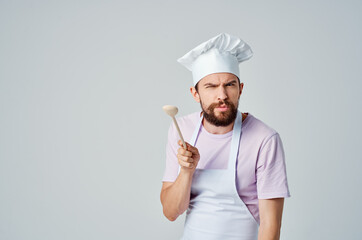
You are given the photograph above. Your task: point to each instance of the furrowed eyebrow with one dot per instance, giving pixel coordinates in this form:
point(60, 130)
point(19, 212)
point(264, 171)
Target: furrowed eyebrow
point(211, 84)
point(232, 81)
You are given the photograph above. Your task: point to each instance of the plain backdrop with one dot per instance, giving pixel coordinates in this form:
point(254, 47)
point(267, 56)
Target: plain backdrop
point(83, 134)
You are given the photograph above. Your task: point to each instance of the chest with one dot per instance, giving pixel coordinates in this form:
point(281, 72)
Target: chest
point(214, 154)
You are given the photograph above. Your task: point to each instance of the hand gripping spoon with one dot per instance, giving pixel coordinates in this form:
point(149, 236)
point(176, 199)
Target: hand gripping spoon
point(172, 111)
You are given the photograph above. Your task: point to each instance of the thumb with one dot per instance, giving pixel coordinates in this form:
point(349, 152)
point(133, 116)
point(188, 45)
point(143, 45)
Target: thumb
point(181, 144)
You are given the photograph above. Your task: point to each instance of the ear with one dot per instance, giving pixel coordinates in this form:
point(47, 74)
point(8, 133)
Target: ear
point(195, 94)
point(241, 88)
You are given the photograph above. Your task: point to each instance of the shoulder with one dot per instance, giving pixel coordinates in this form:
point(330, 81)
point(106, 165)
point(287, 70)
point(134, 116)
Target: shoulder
point(259, 130)
point(189, 120)
point(260, 126)
point(187, 124)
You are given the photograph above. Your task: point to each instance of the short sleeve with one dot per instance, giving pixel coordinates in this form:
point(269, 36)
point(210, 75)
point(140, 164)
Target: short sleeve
point(271, 174)
point(171, 166)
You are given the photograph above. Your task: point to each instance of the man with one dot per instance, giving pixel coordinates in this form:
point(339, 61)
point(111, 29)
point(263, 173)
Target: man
point(232, 178)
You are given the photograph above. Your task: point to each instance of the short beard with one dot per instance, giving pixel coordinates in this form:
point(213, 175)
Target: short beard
point(224, 118)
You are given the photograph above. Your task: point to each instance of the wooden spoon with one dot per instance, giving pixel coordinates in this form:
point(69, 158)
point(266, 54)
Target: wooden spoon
point(172, 111)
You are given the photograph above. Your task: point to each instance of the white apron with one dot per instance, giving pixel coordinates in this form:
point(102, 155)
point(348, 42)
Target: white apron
point(216, 211)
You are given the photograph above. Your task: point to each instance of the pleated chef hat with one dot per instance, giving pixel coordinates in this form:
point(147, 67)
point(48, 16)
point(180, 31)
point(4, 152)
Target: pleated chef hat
point(222, 53)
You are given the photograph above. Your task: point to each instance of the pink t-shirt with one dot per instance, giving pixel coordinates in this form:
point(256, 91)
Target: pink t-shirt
point(261, 170)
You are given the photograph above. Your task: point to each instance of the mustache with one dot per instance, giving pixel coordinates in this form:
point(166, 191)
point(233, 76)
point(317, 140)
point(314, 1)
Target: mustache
point(220, 103)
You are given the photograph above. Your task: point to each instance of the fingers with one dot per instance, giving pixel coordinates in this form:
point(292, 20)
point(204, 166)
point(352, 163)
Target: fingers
point(184, 152)
point(185, 158)
point(189, 147)
point(186, 164)
point(193, 150)
point(181, 144)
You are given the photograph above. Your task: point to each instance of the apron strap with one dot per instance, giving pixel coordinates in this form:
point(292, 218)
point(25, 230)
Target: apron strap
point(234, 150)
point(234, 142)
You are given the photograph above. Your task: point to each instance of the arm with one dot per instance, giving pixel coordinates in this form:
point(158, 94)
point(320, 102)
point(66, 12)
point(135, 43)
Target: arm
point(175, 196)
point(272, 187)
point(270, 211)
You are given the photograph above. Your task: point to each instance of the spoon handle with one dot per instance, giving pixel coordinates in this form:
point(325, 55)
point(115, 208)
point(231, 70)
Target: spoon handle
point(179, 132)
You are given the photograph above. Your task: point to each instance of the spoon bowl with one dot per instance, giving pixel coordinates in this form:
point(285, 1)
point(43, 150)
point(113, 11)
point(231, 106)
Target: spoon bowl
point(170, 110)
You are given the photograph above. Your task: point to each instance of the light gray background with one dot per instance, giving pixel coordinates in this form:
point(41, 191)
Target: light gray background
point(83, 135)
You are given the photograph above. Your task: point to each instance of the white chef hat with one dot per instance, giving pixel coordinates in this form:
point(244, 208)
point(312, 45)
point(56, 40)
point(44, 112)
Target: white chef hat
point(222, 53)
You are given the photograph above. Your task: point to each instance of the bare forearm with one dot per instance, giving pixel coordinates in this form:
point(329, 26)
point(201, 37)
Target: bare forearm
point(269, 232)
point(270, 211)
point(175, 199)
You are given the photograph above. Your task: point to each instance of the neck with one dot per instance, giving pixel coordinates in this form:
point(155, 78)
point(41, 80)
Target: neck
point(222, 129)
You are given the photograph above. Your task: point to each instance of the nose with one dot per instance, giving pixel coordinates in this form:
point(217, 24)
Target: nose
point(221, 95)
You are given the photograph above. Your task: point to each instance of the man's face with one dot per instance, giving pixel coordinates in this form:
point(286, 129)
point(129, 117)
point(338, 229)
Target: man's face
point(219, 94)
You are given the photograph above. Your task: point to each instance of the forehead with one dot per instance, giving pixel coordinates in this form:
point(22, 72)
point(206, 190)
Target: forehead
point(218, 77)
